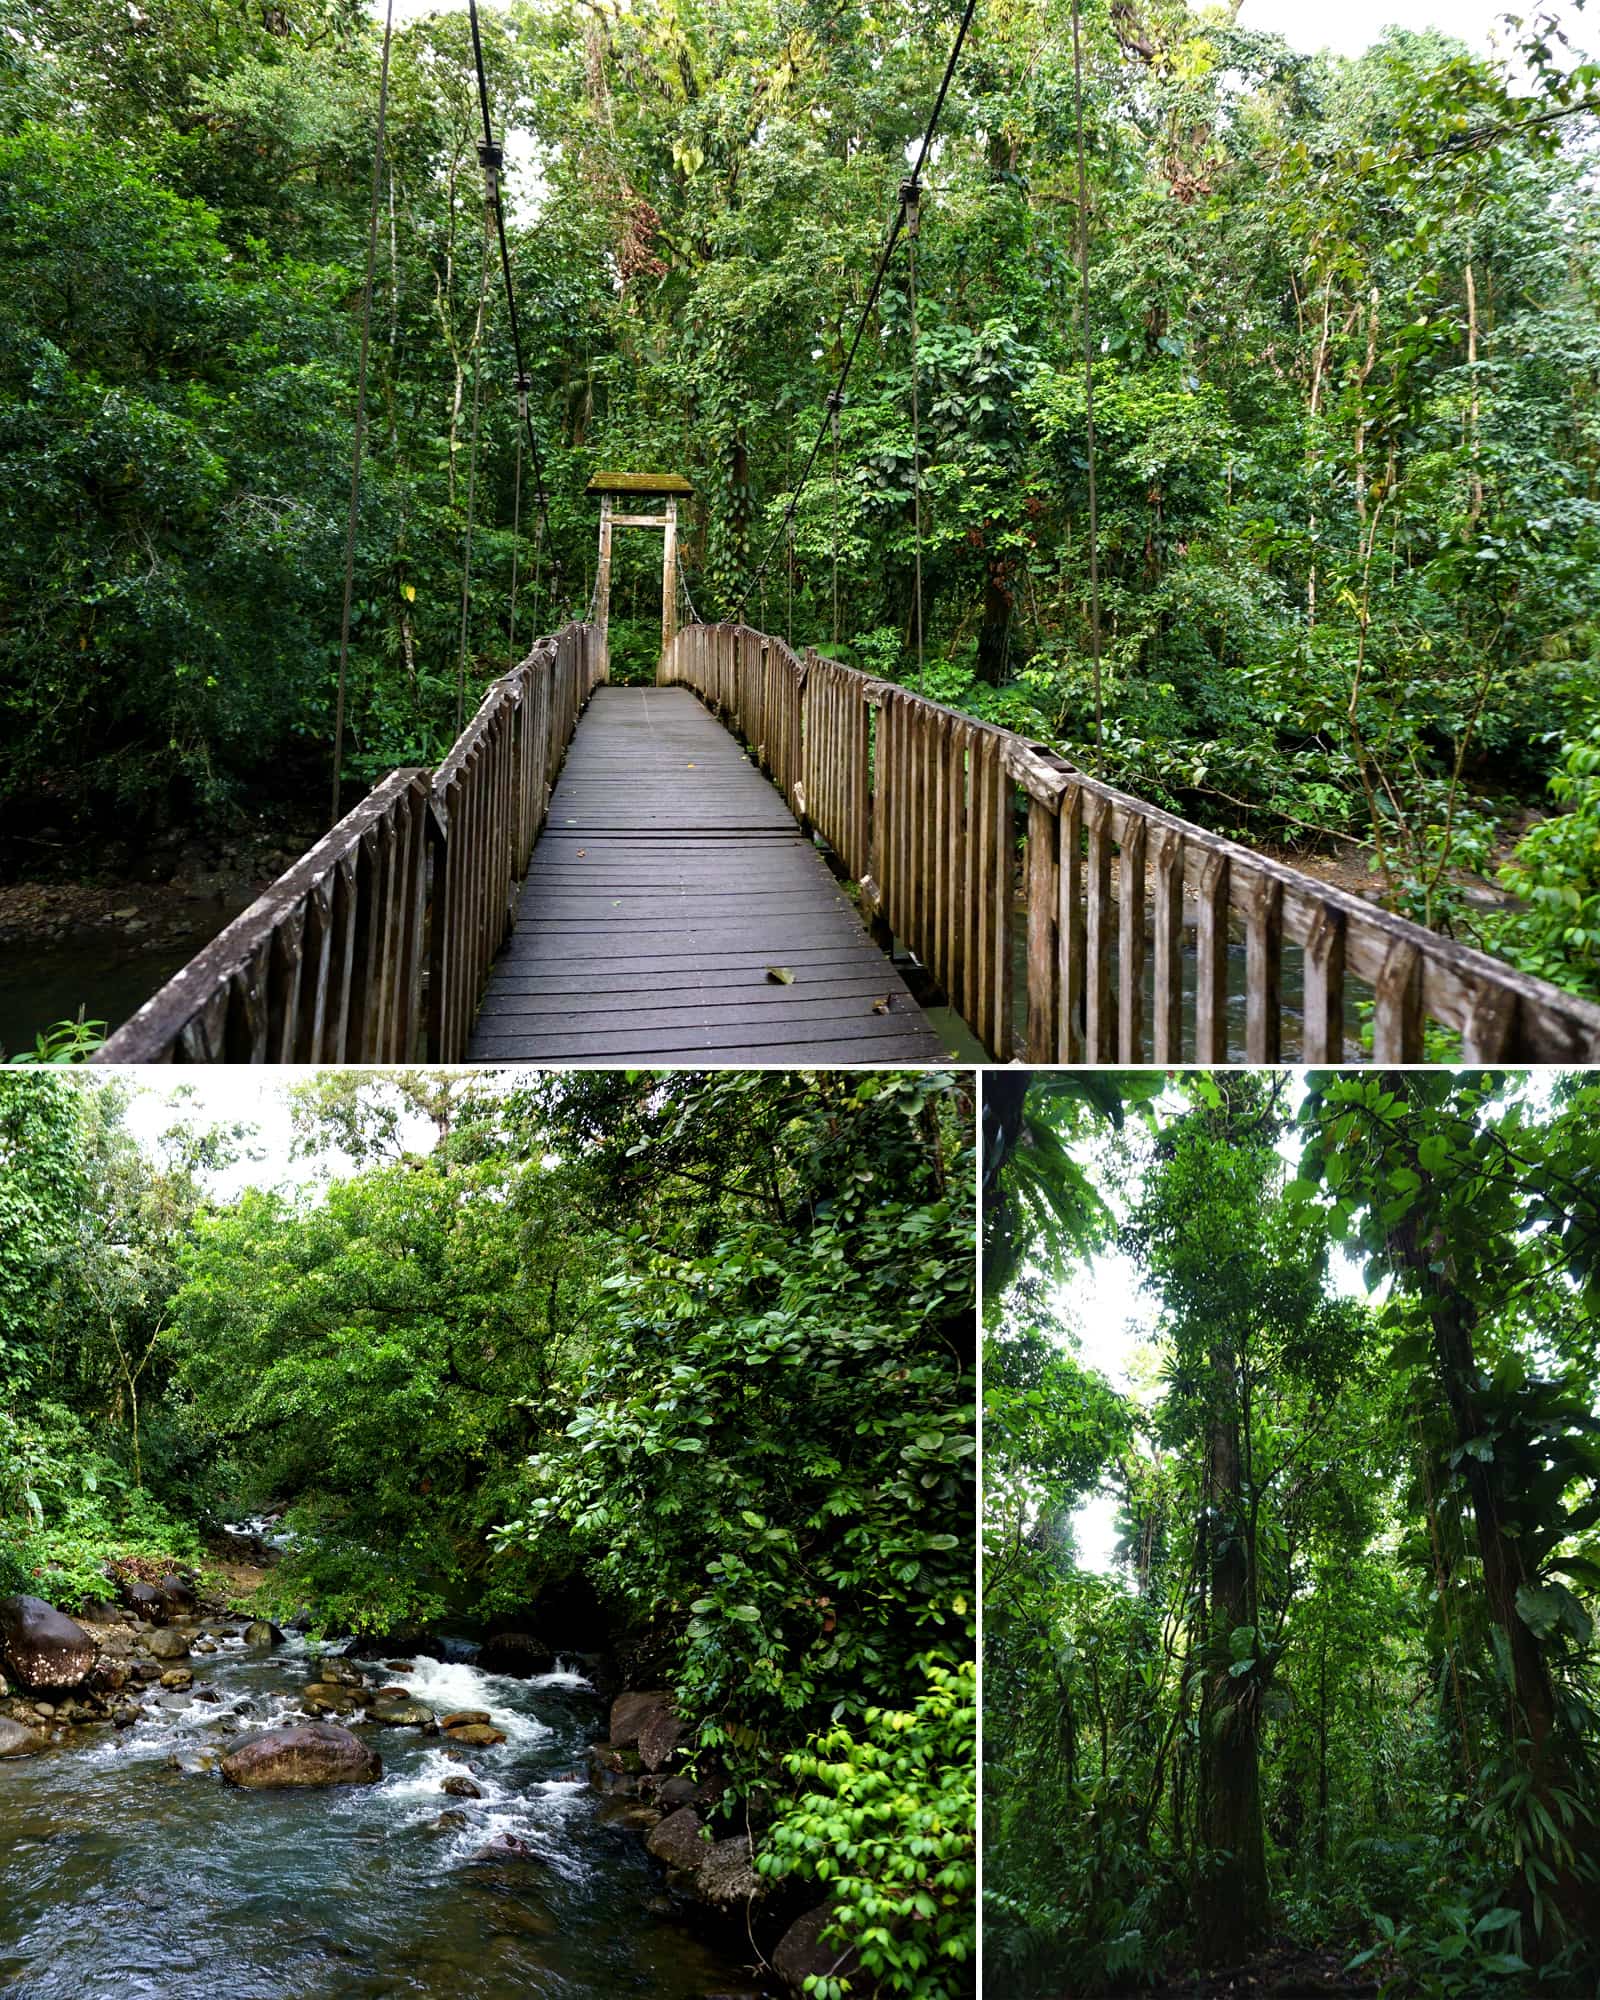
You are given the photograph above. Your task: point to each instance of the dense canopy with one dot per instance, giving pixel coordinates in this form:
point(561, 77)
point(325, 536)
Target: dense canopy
point(1292, 1457)
point(1342, 322)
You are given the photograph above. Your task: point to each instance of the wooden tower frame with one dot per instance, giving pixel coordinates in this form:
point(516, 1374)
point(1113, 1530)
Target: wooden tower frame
point(668, 487)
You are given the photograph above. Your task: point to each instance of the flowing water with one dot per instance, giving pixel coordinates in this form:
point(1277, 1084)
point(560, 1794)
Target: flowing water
point(129, 1868)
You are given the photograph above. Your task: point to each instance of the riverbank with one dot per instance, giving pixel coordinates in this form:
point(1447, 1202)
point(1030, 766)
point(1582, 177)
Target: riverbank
point(480, 1861)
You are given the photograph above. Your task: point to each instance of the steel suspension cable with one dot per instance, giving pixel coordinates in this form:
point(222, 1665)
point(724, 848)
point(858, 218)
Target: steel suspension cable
point(913, 211)
point(493, 157)
point(361, 411)
point(472, 475)
point(1088, 379)
point(516, 515)
point(876, 287)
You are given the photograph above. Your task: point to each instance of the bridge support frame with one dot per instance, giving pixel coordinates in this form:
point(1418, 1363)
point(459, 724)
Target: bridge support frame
point(668, 488)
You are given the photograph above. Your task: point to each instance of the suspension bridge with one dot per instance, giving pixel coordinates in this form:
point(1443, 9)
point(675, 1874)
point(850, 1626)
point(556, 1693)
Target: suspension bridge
point(768, 856)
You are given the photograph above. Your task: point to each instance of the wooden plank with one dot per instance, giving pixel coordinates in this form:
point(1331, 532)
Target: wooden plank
point(670, 875)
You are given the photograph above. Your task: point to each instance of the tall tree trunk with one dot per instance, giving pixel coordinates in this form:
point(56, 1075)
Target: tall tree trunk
point(1233, 1903)
point(1418, 1245)
point(992, 633)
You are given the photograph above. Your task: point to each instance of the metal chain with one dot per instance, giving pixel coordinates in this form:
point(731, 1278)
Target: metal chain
point(361, 411)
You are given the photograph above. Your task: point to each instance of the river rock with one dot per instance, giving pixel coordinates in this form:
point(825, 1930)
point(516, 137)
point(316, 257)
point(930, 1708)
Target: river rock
point(340, 1673)
point(323, 1700)
point(166, 1644)
point(462, 1788)
point(677, 1842)
point(450, 1822)
point(143, 1598)
point(17, 1740)
point(478, 1733)
point(631, 1712)
point(659, 1738)
point(307, 1753)
point(403, 1715)
point(460, 1717)
point(179, 1597)
point(42, 1647)
point(801, 1954)
point(514, 1653)
point(728, 1873)
point(177, 1677)
point(262, 1632)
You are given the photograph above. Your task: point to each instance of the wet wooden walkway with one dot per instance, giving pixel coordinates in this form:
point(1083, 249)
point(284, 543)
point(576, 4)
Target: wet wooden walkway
point(669, 878)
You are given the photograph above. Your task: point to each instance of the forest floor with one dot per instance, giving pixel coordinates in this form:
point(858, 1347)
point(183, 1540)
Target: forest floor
point(1283, 1971)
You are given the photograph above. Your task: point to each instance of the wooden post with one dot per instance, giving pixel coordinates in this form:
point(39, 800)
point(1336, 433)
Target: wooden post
point(602, 585)
point(669, 578)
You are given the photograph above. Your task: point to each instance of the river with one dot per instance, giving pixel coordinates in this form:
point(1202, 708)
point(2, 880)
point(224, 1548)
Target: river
point(129, 1868)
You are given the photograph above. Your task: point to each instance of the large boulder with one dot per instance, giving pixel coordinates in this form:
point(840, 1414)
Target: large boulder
point(306, 1753)
point(166, 1644)
point(262, 1632)
point(16, 1740)
point(514, 1653)
point(40, 1646)
point(801, 1954)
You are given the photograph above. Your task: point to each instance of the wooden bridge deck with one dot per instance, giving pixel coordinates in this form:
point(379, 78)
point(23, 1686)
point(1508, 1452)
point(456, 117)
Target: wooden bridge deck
point(669, 877)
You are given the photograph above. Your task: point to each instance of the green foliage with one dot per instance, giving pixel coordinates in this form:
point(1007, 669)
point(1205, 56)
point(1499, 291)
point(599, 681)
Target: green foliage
point(1353, 1594)
point(772, 1455)
point(889, 1824)
point(68, 1506)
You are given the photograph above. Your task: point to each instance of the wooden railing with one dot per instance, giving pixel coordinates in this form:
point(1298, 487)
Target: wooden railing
point(1053, 909)
point(328, 965)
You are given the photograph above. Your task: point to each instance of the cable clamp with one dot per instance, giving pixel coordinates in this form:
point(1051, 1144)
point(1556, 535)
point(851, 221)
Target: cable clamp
point(492, 158)
point(911, 203)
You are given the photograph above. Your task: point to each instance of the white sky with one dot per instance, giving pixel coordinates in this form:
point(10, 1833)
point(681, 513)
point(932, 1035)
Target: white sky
point(1348, 28)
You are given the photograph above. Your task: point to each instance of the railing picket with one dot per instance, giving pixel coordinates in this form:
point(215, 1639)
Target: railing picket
point(1130, 944)
point(1397, 1016)
point(1100, 1024)
point(1263, 969)
point(1211, 962)
point(1167, 1027)
point(1324, 989)
point(1071, 935)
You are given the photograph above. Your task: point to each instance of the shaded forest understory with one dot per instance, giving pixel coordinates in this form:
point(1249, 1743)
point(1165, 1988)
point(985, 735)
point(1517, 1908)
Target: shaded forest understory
point(1341, 318)
point(1292, 1458)
point(668, 1378)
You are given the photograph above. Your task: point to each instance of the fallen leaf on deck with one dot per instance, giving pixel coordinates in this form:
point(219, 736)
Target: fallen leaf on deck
point(780, 975)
